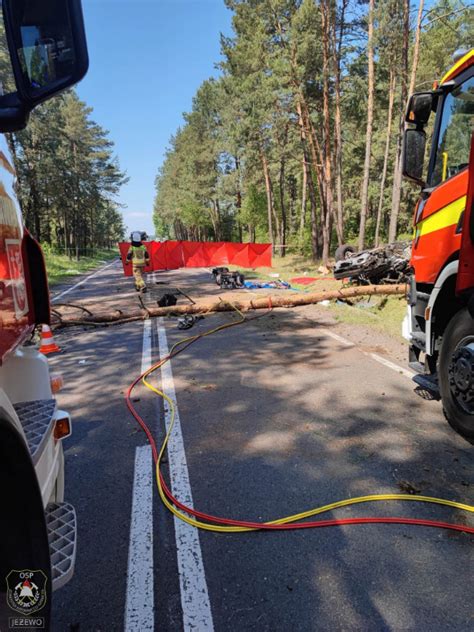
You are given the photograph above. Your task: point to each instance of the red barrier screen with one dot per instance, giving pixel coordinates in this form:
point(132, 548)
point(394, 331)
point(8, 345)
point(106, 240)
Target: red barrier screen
point(171, 255)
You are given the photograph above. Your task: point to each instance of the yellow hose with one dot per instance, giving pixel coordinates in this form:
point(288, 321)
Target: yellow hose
point(287, 519)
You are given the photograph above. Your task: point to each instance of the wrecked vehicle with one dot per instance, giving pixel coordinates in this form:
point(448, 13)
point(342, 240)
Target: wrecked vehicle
point(387, 264)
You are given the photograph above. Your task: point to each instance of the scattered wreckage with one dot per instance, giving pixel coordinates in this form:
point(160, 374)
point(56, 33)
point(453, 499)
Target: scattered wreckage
point(228, 280)
point(377, 266)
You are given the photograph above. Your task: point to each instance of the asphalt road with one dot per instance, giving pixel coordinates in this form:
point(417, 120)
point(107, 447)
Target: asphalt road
point(277, 416)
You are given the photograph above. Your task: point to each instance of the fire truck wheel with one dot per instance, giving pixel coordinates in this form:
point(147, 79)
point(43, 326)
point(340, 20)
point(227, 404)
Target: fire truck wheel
point(456, 373)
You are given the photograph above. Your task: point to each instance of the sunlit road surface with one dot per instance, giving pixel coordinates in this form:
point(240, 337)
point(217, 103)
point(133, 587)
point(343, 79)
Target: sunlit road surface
point(276, 416)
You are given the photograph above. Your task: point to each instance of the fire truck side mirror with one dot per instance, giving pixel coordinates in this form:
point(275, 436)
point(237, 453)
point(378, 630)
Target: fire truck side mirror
point(420, 107)
point(48, 50)
point(414, 145)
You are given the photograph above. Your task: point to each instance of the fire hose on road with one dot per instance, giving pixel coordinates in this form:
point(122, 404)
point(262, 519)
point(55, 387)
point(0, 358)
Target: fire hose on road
point(225, 525)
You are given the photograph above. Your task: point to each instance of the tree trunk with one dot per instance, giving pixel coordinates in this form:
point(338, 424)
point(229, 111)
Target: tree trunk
point(282, 208)
point(269, 192)
point(303, 201)
point(391, 97)
point(315, 231)
point(397, 176)
point(238, 198)
point(368, 135)
point(416, 48)
point(338, 125)
point(327, 209)
point(315, 241)
point(219, 221)
point(212, 305)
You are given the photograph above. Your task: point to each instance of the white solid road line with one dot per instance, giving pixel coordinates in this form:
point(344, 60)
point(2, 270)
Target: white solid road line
point(139, 605)
point(339, 338)
point(195, 601)
point(146, 352)
point(70, 289)
point(391, 365)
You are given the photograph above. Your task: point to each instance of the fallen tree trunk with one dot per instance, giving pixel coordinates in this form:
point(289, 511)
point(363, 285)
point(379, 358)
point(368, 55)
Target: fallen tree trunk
point(264, 302)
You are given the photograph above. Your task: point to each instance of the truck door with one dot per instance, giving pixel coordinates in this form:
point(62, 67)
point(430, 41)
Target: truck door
point(465, 278)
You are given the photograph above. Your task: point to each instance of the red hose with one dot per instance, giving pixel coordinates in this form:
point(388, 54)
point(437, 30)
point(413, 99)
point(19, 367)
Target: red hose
point(259, 525)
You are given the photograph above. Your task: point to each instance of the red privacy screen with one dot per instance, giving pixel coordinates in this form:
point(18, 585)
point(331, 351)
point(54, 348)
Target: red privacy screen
point(171, 255)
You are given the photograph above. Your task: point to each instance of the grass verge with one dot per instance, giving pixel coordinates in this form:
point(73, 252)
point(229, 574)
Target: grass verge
point(385, 314)
point(60, 267)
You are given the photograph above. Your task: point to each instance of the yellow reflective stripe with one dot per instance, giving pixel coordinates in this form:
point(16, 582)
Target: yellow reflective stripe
point(459, 63)
point(138, 255)
point(447, 216)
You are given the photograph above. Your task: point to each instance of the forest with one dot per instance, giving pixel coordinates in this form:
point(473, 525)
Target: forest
point(297, 139)
point(68, 178)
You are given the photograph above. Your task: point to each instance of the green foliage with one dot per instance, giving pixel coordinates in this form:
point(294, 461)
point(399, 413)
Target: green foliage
point(235, 168)
point(68, 178)
point(60, 267)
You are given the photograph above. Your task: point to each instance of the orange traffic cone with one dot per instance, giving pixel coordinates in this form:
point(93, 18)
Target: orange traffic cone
point(47, 341)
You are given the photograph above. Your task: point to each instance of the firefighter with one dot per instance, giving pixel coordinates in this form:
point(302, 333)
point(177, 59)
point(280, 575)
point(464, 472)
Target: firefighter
point(138, 256)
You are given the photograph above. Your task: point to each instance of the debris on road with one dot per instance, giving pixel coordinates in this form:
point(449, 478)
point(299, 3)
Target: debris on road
point(188, 321)
point(267, 285)
point(167, 300)
point(409, 488)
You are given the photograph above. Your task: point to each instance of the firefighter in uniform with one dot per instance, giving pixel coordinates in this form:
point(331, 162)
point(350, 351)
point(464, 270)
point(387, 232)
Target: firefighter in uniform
point(138, 256)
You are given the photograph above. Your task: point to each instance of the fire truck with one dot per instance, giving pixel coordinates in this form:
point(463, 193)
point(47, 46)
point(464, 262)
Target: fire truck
point(42, 52)
point(440, 320)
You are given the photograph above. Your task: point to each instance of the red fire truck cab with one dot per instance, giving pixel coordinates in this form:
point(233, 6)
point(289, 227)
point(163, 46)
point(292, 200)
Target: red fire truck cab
point(440, 320)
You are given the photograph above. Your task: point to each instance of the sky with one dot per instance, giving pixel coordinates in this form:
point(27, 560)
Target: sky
point(147, 59)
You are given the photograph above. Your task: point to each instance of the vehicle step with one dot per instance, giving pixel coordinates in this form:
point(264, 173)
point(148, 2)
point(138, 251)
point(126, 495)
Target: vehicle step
point(417, 366)
point(427, 386)
point(36, 418)
point(61, 524)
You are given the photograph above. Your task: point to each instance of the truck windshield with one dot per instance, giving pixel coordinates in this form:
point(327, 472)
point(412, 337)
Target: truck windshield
point(454, 140)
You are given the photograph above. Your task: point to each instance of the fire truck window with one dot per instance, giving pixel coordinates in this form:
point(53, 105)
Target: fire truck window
point(457, 126)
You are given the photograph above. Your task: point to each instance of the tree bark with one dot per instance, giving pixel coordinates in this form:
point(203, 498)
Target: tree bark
point(397, 176)
point(283, 228)
point(391, 98)
point(315, 242)
point(368, 135)
point(338, 125)
point(264, 302)
point(327, 209)
point(269, 192)
point(416, 48)
point(304, 191)
point(238, 198)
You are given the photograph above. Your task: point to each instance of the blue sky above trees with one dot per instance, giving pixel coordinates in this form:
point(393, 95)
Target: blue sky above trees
point(147, 59)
